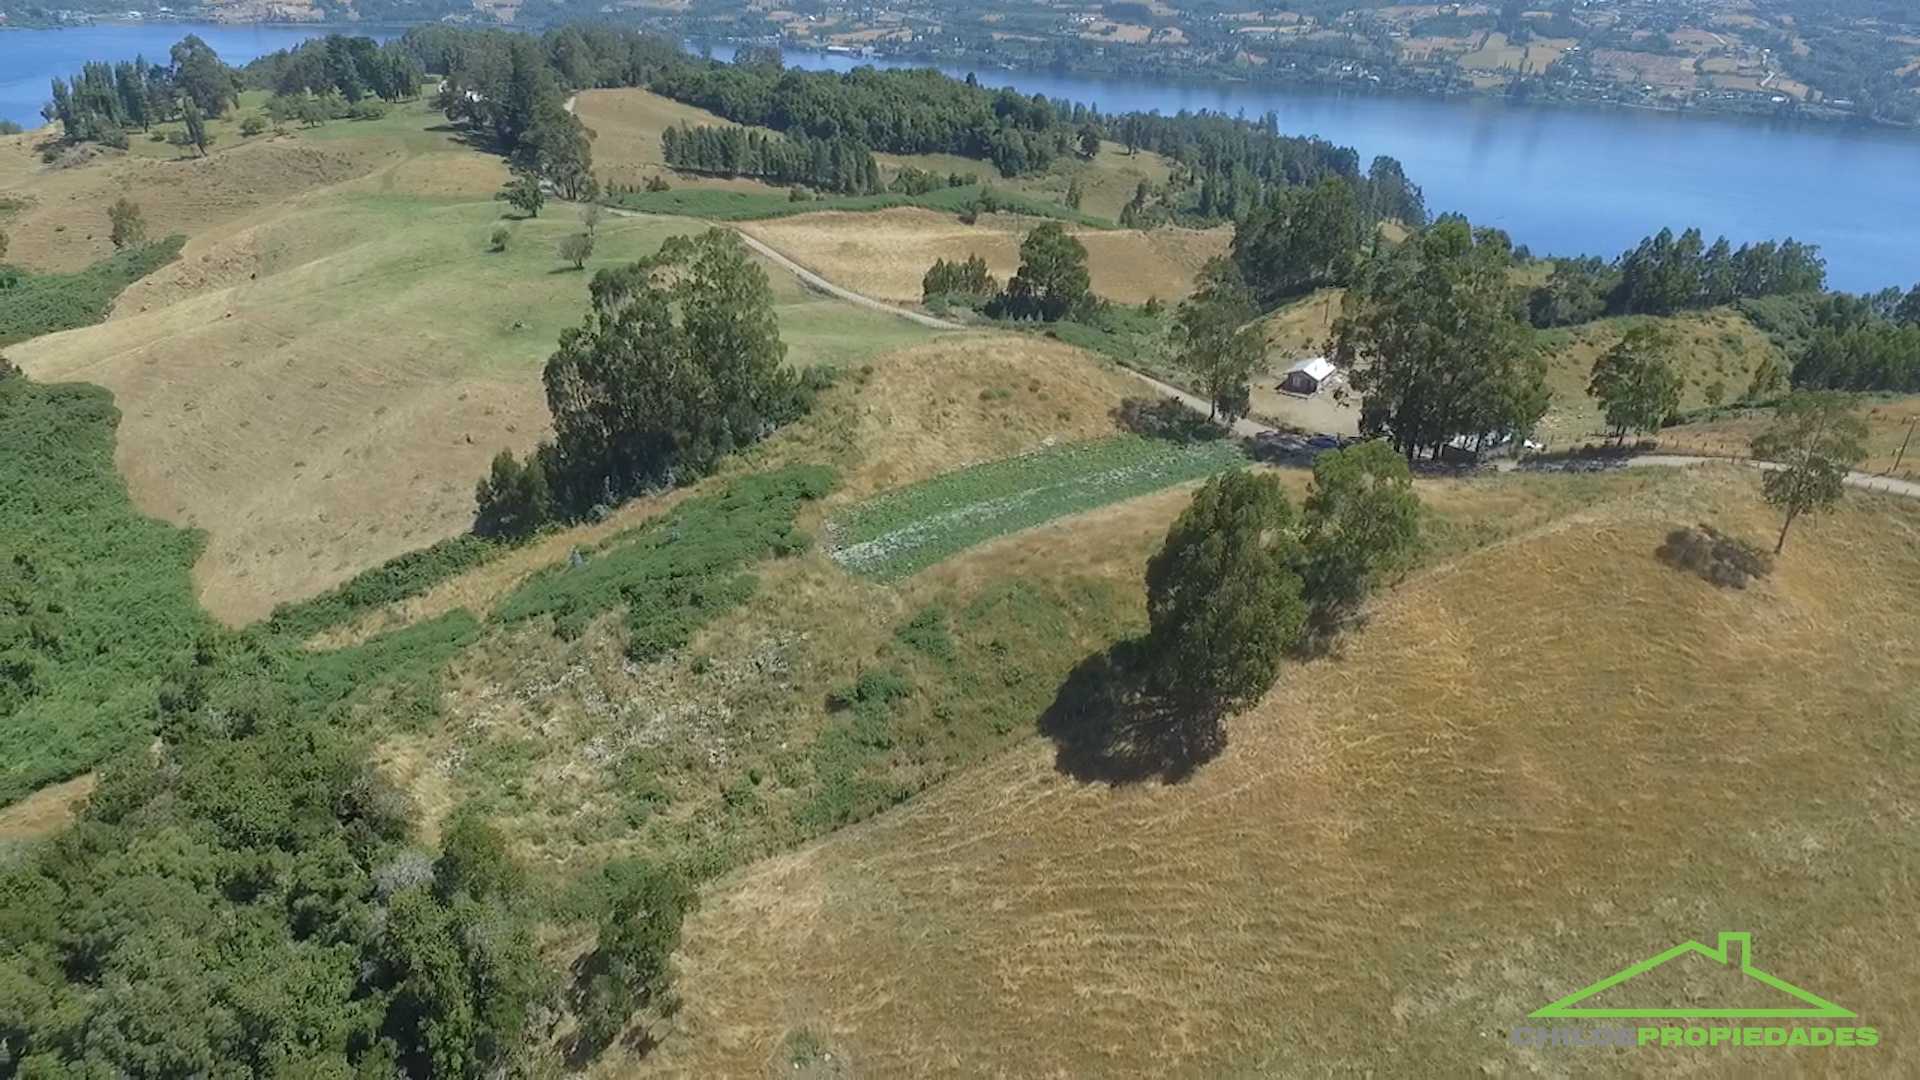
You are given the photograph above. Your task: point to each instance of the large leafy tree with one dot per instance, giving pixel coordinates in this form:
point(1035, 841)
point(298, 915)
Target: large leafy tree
point(679, 361)
point(1815, 438)
point(1219, 344)
point(1052, 282)
point(199, 74)
point(557, 147)
point(1392, 195)
point(1223, 599)
point(1299, 239)
point(1433, 335)
point(524, 193)
point(1634, 381)
point(1362, 523)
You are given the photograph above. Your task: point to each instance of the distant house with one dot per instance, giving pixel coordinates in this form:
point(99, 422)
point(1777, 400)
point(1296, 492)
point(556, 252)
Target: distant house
point(1307, 376)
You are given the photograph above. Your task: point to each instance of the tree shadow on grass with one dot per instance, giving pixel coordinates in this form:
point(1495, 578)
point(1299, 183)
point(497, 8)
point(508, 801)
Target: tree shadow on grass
point(581, 1047)
point(1165, 418)
point(1109, 726)
point(470, 137)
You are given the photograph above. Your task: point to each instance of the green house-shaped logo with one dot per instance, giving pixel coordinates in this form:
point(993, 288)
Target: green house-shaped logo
point(1734, 949)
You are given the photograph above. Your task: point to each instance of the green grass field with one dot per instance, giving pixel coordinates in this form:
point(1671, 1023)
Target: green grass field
point(903, 531)
point(394, 349)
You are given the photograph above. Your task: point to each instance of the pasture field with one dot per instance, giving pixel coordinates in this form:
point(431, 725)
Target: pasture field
point(626, 125)
point(728, 205)
point(1890, 420)
point(61, 220)
point(332, 408)
point(901, 532)
point(886, 254)
point(1107, 181)
point(905, 417)
point(1713, 347)
point(626, 150)
point(1468, 812)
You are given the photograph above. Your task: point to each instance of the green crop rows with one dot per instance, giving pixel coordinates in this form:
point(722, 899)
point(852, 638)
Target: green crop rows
point(906, 530)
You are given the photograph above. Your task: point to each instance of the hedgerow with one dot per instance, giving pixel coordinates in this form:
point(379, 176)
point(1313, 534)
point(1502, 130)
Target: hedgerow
point(397, 579)
point(675, 574)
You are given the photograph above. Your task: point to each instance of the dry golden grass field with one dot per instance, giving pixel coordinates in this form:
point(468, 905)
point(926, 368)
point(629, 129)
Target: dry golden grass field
point(1713, 347)
point(885, 253)
point(955, 401)
point(626, 126)
point(1891, 426)
point(320, 380)
point(64, 223)
point(44, 812)
point(1466, 813)
point(626, 150)
point(545, 726)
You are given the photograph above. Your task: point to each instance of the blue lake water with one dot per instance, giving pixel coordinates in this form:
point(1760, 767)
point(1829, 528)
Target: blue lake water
point(1561, 180)
point(30, 59)
point(1567, 180)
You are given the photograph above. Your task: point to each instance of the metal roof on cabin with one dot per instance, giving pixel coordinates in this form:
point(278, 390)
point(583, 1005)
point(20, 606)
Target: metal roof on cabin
point(1317, 368)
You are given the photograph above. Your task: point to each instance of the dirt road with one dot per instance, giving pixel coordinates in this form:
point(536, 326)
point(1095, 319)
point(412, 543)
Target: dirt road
point(1864, 481)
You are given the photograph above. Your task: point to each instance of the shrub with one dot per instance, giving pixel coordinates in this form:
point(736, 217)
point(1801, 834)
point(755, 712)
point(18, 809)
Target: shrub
point(927, 633)
point(678, 572)
point(500, 238)
point(513, 501)
point(1165, 418)
point(845, 789)
point(396, 579)
point(967, 283)
point(366, 109)
point(628, 968)
point(253, 125)
point(577, 249)
point(96, 602)
point(129, 225)
point(657, 182)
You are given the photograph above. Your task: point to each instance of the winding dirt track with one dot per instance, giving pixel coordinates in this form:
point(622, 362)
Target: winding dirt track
point(1243, 427)
point(1865, 481)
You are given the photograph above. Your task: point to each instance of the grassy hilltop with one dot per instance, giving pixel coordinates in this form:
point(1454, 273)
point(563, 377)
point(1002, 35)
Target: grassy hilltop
point(283, 734)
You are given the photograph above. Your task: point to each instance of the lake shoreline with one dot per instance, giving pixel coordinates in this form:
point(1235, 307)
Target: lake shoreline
point(1564, 178)
point(1209, 79)
point(1321, 86)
